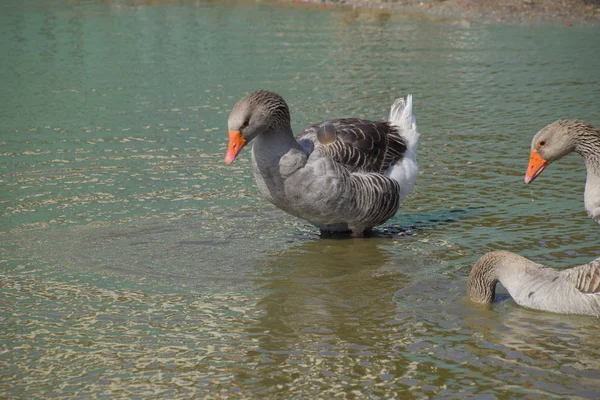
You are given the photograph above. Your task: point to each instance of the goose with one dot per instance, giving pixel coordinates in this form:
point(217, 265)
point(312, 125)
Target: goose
point(341, 175)
point(561, 138)
point(570, 291)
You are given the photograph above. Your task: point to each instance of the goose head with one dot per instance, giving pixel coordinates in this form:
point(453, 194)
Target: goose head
point(259, 112)
point(551, 143)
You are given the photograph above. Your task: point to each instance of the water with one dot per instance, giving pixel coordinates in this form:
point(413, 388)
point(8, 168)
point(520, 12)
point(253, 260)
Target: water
point(135, 264)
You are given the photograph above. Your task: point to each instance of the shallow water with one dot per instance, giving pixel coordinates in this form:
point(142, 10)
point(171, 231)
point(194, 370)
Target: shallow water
point(134, 263)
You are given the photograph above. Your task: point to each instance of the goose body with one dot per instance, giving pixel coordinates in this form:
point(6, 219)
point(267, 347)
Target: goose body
point(570, 291)
point(557, 140)
point(341, 175)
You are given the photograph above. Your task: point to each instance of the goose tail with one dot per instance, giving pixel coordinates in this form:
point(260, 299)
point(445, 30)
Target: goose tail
point(405, 169)
point(401, 116)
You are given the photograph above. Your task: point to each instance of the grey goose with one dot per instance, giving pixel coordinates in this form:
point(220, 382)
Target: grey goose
point(574, 290)
point(341, 175)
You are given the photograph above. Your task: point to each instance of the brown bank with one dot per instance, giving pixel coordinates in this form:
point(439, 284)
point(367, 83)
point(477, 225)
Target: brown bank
point(567, 12)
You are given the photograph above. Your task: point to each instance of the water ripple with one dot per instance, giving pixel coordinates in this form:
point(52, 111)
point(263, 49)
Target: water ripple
point(135, 264)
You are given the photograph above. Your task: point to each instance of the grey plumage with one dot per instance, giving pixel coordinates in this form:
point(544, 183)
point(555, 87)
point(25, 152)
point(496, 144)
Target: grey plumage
point(586, 278)
point(361, 145)
point(570, 291)
point(341, 174)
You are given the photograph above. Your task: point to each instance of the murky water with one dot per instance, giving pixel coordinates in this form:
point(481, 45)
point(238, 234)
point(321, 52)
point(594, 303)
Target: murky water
point(135, 264)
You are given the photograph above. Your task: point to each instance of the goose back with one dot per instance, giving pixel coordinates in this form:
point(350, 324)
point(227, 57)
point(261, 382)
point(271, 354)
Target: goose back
point(360, 145)
point(585, 278)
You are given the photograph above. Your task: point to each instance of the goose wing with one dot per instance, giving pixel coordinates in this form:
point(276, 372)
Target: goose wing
point(360, 145)
point(585, 278)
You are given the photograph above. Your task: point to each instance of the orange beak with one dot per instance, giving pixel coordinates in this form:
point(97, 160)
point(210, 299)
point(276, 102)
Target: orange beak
point(236, 143)
point(536, 165)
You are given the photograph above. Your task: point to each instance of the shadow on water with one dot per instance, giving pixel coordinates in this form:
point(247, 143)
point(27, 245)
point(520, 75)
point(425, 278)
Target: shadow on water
point(415, 223)
point(412, 224)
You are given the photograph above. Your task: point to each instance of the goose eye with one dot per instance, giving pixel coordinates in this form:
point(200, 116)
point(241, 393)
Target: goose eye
point(542, 143)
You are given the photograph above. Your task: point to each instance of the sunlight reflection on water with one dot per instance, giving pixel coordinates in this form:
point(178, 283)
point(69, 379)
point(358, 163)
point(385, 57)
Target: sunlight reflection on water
point(134, 263)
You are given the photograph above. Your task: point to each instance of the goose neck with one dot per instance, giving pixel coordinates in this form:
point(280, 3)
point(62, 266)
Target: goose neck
point(271, 145)
point(587, 143)
point(481, 284)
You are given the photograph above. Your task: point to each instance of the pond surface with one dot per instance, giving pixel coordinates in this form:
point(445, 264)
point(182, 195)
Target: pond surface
point(135, 264)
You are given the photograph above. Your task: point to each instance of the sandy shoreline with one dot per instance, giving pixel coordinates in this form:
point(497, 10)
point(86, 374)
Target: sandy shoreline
point(567, 12)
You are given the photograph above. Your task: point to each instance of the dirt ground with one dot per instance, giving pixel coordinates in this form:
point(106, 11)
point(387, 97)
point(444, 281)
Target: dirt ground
point(567, 12)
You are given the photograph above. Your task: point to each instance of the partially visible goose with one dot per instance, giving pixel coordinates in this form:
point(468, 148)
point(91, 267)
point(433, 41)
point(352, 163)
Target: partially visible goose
point(341, 175)
point(571, 291)
point(561, 138)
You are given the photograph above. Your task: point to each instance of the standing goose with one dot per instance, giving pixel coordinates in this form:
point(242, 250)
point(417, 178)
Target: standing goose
point(561, 138)
point(341, 175)
point(571, 291)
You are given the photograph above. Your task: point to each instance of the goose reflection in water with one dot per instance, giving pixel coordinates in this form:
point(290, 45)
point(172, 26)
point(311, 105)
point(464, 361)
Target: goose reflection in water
point(327, 295)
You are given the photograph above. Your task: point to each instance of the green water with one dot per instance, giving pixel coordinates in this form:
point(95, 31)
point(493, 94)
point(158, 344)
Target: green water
point(135, 264)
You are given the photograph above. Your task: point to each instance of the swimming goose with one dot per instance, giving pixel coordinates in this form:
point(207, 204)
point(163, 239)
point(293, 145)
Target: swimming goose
point(561, 138)
point(571, 291)
point(341, 175)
